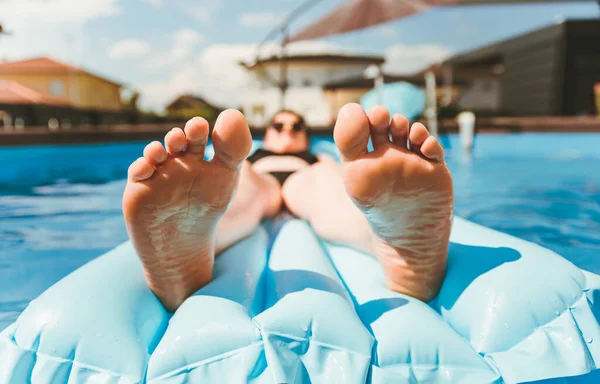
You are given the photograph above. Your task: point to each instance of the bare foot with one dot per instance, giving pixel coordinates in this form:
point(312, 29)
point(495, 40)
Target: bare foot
point(405, 194)
point(174, 199)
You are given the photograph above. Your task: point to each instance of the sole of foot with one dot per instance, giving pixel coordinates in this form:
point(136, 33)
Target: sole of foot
point(174, 200)
point(404, 189)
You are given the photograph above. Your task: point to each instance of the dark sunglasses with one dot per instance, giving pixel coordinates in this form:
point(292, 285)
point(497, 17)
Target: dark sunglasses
point(297, 127)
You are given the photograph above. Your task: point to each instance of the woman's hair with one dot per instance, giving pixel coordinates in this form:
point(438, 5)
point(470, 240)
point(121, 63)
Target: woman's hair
point(300, 118)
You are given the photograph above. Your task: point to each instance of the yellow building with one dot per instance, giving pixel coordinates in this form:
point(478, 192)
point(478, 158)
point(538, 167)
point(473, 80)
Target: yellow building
point(82, 89)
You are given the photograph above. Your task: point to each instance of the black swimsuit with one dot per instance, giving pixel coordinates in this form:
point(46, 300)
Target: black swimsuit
point(307, 156)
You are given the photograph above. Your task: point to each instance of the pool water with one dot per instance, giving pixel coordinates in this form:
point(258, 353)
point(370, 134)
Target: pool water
point(60, 207)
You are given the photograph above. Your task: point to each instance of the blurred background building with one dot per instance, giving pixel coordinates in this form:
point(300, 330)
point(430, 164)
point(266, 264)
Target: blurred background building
point(547, 72)
point(42, 91)
point(187, 106)
point(550, 71)
point(308, 87)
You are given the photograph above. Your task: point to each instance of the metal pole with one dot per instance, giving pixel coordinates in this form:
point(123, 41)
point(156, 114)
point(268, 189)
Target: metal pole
point(5, 118)
point(379, 81)
point(288, 20)
point(284, 28)
point(448, 74)
point(431, 107)
point(283, 67)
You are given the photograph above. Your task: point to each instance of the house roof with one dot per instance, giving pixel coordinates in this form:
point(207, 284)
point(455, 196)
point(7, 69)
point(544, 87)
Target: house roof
point(12, 92)
point(46, 65)
point(307, 58)
point(193, 100)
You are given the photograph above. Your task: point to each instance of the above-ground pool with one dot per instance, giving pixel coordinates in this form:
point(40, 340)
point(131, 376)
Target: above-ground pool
point(61, 206)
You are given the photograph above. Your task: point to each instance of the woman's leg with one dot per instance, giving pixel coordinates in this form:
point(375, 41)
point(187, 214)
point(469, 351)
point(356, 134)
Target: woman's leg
point(317, 194)
point(258, 196)
point(394, 202)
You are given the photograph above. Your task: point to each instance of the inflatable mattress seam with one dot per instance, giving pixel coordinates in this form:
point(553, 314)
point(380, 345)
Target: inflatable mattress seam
point(325, 246)
point(320, 343)
point(468, 342)
point(437, 367)
point(569, 308)
point(207, 361)
point(374, 354)
point(582, 337)
point(63, 360)
point(427, 366)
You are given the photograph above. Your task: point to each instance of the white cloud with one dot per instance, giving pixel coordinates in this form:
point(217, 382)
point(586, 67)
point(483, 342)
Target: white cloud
point(23, 12)
point(406, 59)
point(184, 43)
point(129, 49)
point(386, 31)
point(305, 47)
point(261, 19)
point(216, 74)
point(201, 10)
point(155, 3)
point(50, 26)
point(185, 40)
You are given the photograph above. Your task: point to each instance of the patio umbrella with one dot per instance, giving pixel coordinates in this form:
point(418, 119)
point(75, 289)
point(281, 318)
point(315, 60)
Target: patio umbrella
point(359, 14)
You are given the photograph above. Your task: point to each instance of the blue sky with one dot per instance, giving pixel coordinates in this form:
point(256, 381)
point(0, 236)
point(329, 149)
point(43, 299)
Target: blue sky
point(164, 47)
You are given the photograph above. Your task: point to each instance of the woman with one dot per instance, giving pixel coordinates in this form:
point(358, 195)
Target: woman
point(285, 148)
point(395, 203)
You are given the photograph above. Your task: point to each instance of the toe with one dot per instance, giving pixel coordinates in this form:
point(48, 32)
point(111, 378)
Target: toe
point(417, 136)
point(432, 149)
point(351, 132)
point(140, 170)
point(196, 132)
point(231, 138)
point(379, 118)
point(399, 130)
point(175, 142)
point(155, 153)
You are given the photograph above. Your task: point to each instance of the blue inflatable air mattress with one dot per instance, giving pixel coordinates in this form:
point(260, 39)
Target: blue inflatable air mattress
point(285, 307)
